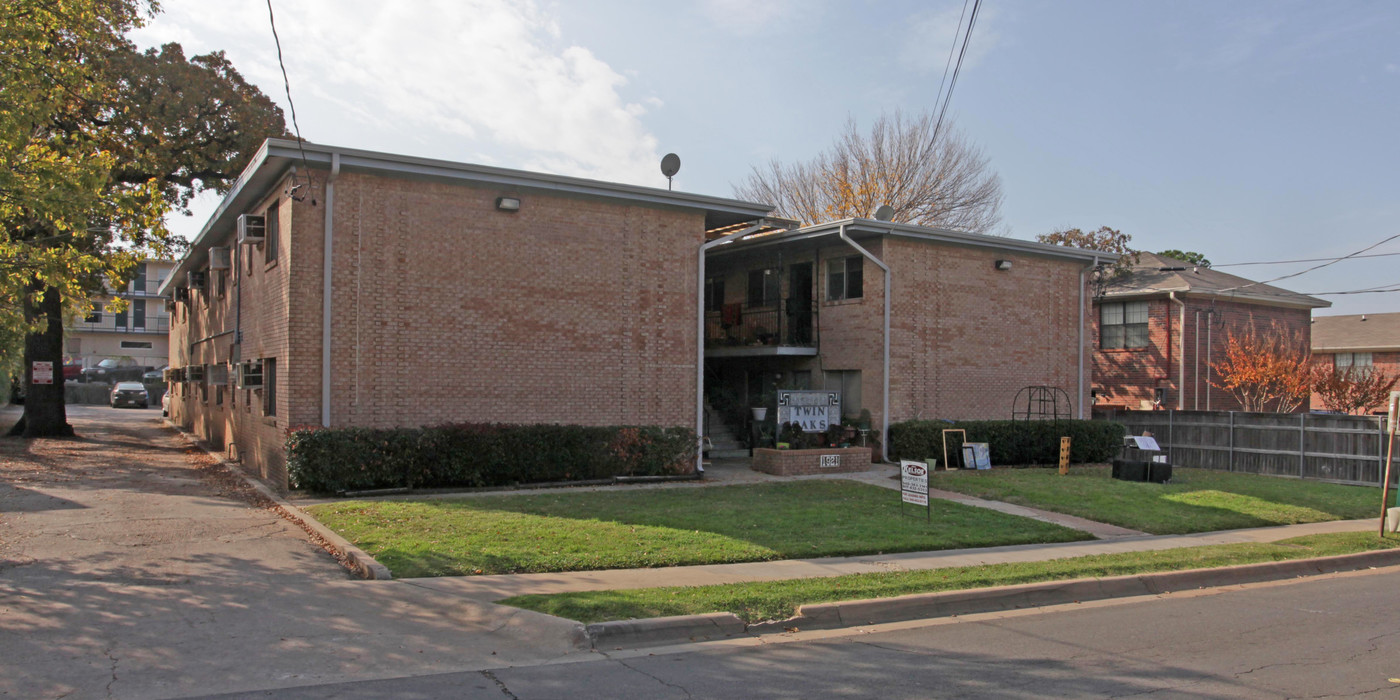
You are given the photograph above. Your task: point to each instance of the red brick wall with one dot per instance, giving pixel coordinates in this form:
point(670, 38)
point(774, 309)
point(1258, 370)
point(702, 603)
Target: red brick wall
point(1126, 378)
point(1387, 362)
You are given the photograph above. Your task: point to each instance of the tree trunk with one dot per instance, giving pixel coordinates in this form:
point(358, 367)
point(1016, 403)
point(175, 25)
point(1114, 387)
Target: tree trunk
point(45, 414)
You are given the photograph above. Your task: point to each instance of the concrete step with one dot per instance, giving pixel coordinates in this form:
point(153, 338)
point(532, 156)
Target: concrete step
point(729, 454)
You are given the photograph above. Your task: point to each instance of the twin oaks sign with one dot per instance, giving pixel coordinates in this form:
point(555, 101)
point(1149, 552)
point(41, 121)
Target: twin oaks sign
point(815, 411)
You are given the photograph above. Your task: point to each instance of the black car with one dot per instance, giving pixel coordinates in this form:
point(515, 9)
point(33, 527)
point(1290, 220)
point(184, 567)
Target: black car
point(129, 394)
point(110, 371)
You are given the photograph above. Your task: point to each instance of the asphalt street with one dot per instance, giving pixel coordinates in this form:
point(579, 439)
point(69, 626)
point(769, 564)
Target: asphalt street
point(1334, 636)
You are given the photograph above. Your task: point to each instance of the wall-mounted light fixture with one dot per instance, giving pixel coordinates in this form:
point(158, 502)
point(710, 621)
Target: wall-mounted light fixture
point(1003, 265)
point(508, 203)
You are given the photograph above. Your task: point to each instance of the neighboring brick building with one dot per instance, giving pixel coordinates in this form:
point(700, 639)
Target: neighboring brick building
point(973, 319)
point(457, 293)
point(1361, 341)
point(140, 334)
point(1158, 330)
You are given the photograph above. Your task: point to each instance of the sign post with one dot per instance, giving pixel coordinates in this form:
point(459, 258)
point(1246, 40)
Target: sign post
point(1064, 456)
point(1394, 407)
point(913, 485)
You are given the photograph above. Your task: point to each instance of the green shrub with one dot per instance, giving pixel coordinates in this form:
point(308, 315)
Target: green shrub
point(1012, 442)
point(476, 454)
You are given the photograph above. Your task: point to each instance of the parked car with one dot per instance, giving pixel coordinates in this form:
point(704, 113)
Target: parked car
point(129, 394)
point(111, 371)
point(165, 404)
point(72, 371)
point(155, 376)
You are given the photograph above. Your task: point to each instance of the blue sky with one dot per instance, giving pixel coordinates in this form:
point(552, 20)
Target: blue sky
point(1248, 131)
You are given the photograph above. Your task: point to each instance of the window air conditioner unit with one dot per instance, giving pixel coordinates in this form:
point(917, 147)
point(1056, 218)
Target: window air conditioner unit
point(250, 374)
point(252, 228)
point(196, 279)
point(169, 306)
point(220, 259)
point(218, 374)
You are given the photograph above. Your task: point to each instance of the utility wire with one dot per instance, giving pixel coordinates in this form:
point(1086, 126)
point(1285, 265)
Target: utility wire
point(1304, 260)
point(1331, 261)
point(967, 37)
point(952, 48)
point(287, 84)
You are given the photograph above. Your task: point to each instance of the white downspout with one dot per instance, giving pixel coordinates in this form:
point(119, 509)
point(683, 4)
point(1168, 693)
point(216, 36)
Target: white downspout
point(1082, 283)
point(1181, 354)
point(700, 339)
point(885, 407)
point(326, 294)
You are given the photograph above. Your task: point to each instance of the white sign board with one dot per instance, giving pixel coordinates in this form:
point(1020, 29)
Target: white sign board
point(830, 461)
point(42, 373)
point(815, 411)
point(913, 482)
point(1145, 442)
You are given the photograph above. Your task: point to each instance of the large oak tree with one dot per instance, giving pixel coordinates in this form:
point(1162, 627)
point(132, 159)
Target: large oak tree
point(98, 141)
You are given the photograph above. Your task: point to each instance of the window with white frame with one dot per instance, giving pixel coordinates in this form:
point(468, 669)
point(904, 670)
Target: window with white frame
point(1123, 325)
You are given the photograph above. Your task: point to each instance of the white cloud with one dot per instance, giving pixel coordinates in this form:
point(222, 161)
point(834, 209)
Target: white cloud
point(470, 76)
point(930, 34)
point(751, 17)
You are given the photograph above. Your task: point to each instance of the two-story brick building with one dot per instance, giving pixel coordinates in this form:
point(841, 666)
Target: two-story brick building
point(1159, 329)
point(1358, 341)
point(967, 321)
point(380, 290)
point(353, 288)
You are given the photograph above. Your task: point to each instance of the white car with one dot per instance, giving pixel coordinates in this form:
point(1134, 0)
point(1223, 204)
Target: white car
point(165, 404)
point(130, 394)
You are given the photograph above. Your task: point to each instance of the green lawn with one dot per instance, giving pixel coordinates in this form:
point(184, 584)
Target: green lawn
point(571, 531)
point(1197, 500)
point(777, 600)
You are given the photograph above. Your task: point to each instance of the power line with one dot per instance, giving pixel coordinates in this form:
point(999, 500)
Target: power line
point(967, 38)
point(1331, 261)
point(287, 84)
point(952, 48)
point(1304, 260)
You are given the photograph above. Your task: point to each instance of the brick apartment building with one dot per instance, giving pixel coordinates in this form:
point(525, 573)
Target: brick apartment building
point(1360, 341)
point(1158, 330)
point(141, 334)
point(381, 290)
point(973, 319)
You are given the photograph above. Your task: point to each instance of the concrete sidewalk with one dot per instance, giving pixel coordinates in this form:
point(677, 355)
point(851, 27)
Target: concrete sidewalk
point(491, 588)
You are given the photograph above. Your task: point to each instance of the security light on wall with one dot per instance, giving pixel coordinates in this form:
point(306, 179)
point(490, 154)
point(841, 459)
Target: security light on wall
point(508, 203)
point(1003, 265)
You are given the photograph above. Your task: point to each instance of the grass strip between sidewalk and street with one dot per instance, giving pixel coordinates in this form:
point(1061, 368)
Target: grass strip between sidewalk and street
point(640, 528)
point(1195, 500)
point(778, 600)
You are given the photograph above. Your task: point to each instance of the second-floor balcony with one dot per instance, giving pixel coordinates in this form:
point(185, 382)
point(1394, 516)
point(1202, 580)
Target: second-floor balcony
point(122, 323)
point(780, 328)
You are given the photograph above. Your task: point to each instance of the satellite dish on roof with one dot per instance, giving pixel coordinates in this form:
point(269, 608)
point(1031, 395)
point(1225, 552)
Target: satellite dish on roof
point(884, 213)
point(670, 165)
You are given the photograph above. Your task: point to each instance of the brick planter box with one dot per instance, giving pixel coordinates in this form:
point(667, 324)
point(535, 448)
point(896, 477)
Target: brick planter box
point(827, 460)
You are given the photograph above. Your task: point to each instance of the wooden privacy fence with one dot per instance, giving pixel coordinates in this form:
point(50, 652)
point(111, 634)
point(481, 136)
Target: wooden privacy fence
point(1339, 448)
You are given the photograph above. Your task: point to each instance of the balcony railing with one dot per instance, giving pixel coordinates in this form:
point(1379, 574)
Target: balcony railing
point(782, 324)
point(108, 324)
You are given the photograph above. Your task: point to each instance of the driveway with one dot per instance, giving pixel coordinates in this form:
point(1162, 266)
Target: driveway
point(133, 566)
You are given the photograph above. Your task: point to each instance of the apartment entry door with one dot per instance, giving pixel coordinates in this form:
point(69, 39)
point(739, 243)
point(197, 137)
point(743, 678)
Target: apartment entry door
point(799, 305)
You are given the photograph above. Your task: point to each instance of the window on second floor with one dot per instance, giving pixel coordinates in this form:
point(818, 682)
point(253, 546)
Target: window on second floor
point(274, 231)
point(96, 315)
point(845, 278)
point(763, 286)
point(138, 313)
point(1123, 325)
point(714, 293)
point(1359, 361)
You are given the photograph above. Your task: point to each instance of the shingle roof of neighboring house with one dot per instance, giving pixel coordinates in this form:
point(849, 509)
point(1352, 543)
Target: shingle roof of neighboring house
point(1360, 332)
point(1157, 274)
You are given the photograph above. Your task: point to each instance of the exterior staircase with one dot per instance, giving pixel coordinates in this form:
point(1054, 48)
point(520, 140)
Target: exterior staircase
point(724, 444)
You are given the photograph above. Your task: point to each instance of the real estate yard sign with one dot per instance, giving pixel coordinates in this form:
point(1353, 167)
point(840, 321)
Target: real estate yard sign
point(815, 411)
point(913, 485)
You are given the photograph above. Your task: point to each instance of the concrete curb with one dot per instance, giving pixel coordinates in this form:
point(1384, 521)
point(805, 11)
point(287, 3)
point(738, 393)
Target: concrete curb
point(350, 556)
point(820, 616)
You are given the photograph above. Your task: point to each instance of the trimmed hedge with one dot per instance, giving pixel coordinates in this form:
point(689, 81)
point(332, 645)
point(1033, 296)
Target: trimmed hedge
point(1012, 442)
point(479, 454)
